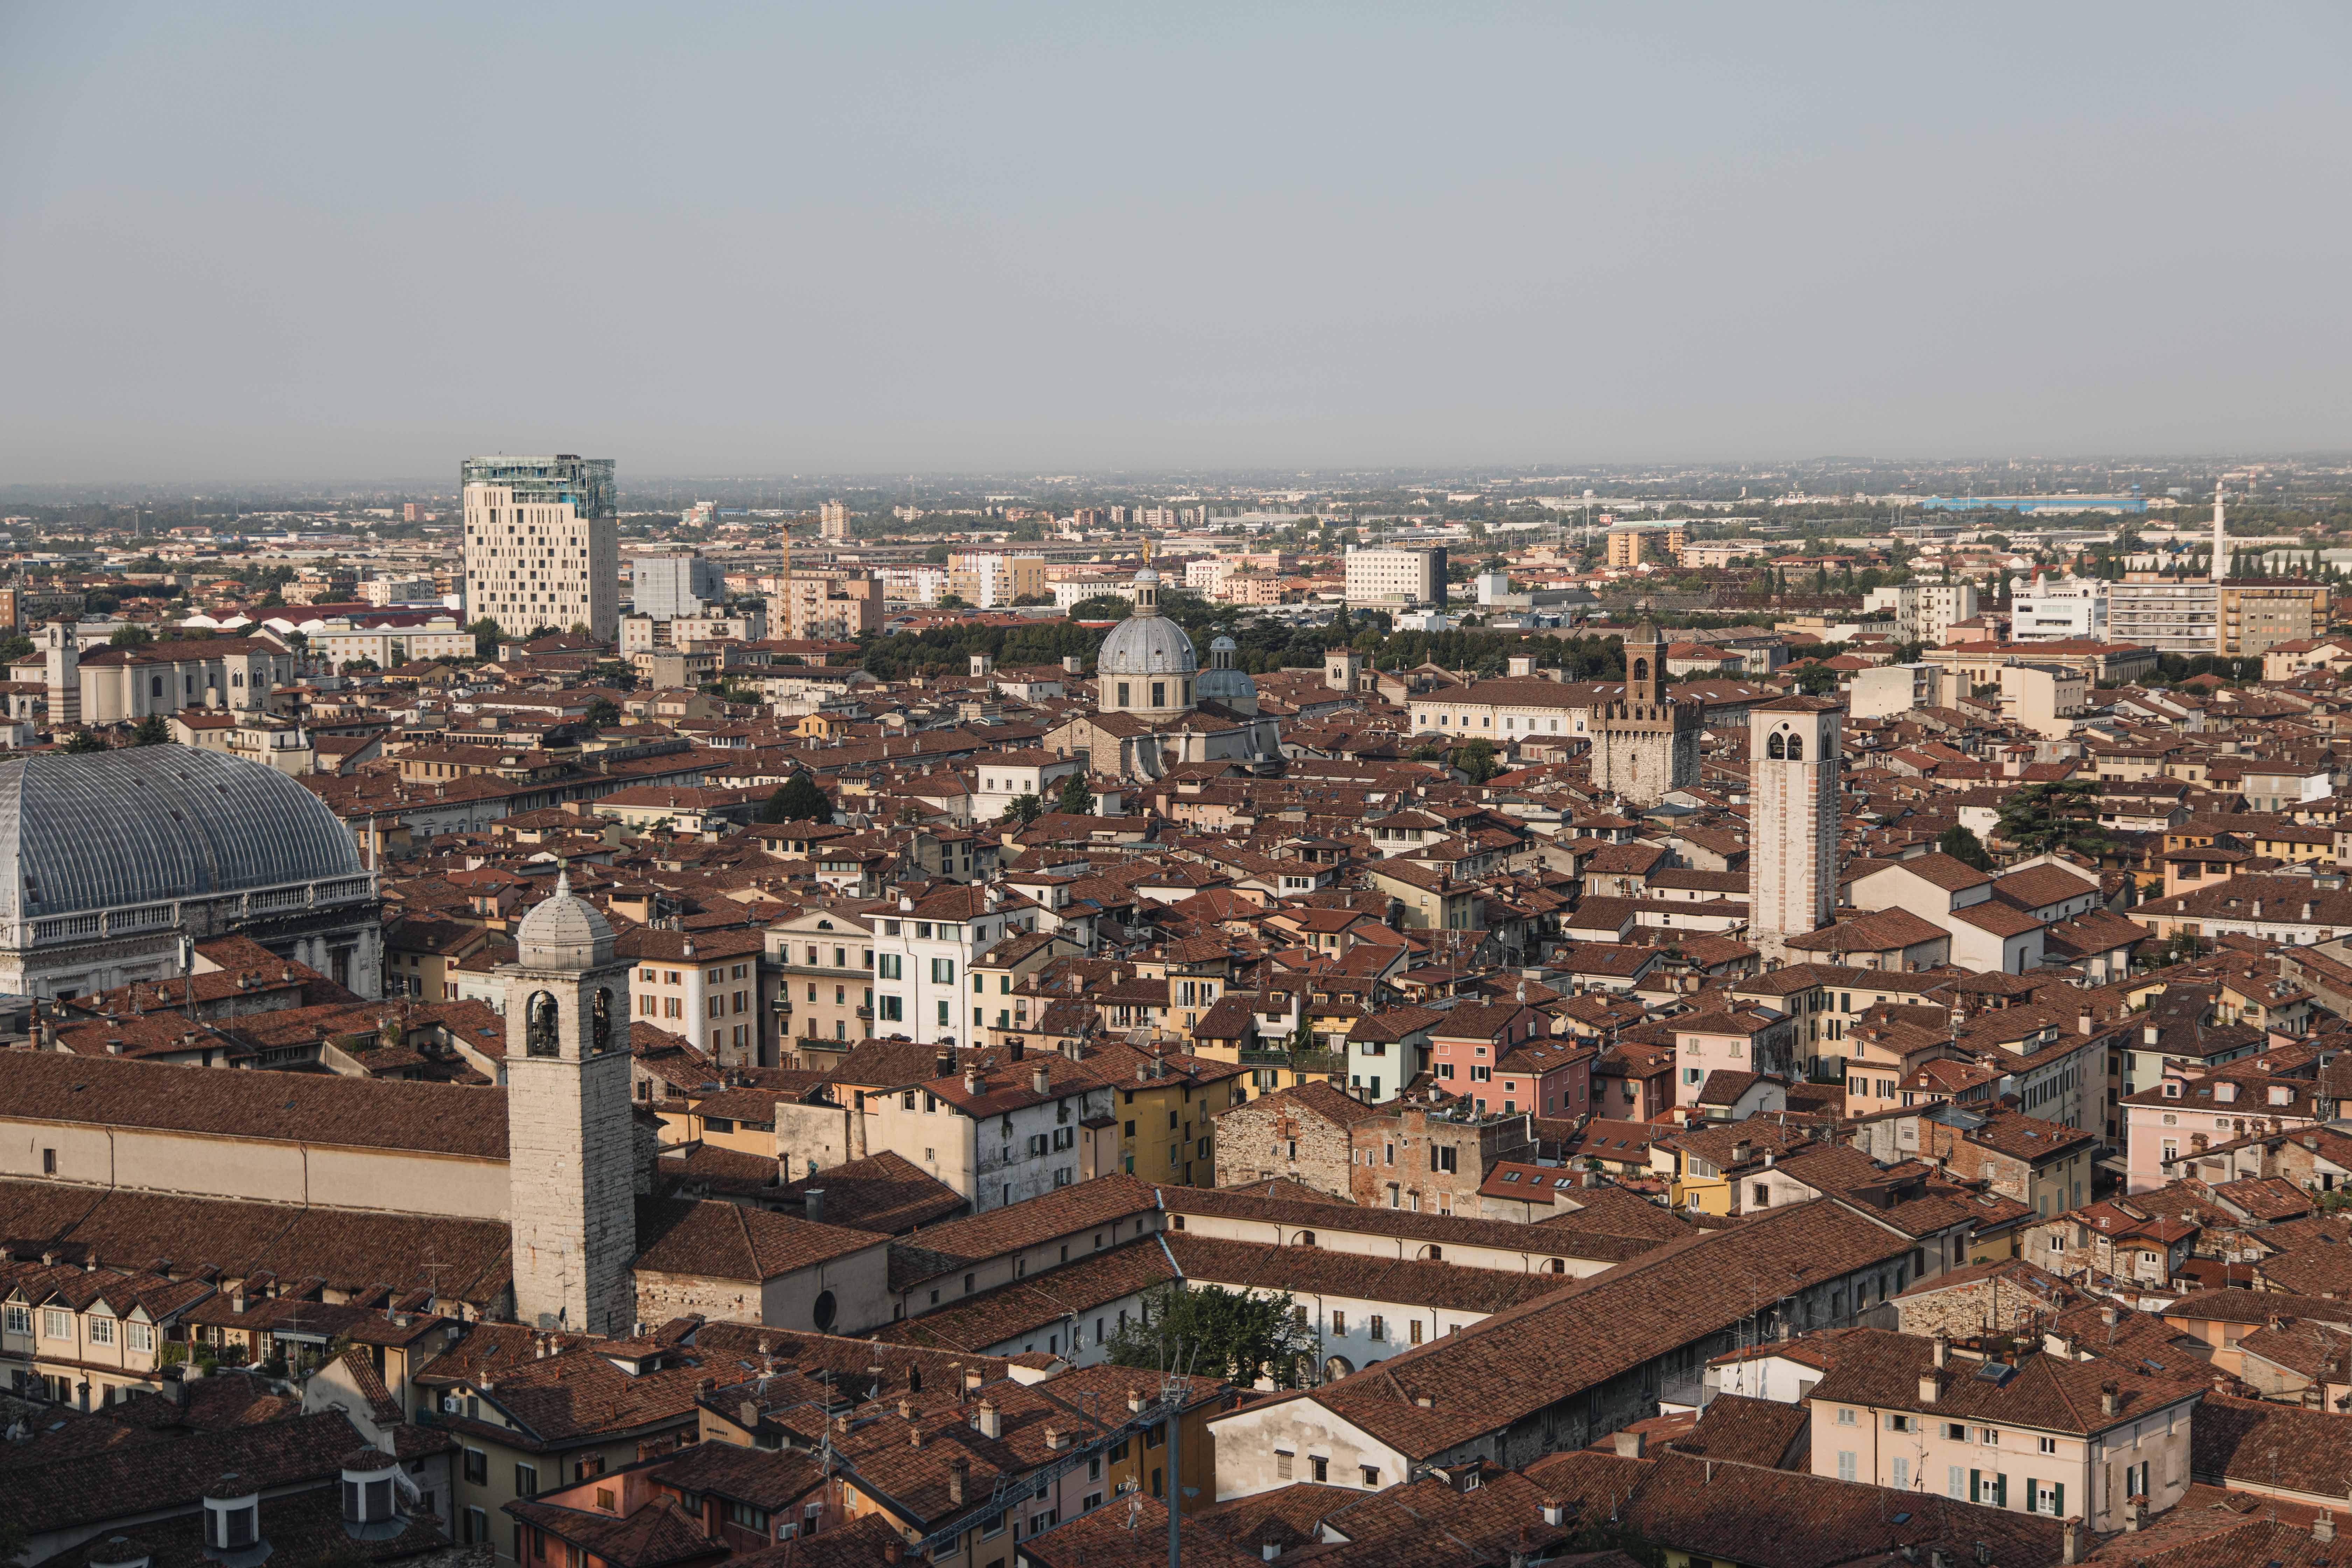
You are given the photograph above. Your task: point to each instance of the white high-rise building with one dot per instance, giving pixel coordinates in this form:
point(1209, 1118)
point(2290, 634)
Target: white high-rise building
point(543, 544)
point(1924, 612)
point(1396, 578)
point(1793, 819)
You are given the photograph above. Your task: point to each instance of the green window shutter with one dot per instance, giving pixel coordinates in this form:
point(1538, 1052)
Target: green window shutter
point(2058, 1499)
point(1976, 1486)
point(2001, 1491)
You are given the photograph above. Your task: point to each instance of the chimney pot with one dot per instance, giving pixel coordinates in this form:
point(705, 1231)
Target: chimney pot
point(1040, 1081)
point(958, 1470)
point(1629, 1445)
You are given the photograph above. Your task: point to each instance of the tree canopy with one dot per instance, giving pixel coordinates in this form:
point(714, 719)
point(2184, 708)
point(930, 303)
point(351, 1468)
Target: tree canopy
point(797, 800)
point(1962, 845)
point(1214, 1332)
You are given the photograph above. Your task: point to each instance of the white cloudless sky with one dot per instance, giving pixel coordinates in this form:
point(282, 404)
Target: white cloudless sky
point(335, 242)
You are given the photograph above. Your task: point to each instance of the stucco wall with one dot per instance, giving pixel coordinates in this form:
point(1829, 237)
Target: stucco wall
point(257, 1170)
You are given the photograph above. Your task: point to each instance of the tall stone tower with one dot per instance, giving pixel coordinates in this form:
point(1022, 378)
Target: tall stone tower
point(571, 1157)
point(1792, 820)
point(1647, 744)
point(61, 672)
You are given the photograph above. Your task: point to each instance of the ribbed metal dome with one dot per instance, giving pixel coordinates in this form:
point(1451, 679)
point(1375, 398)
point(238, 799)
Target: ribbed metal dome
point(142, 825)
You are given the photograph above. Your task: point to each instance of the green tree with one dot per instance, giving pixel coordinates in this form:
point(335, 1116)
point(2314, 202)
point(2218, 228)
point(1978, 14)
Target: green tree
point(1214, 1332)
point(152, 732)
point(1101, 607)
point(1963, 846)
point(2041, 817)
point(954, 602)
point(601, 712)
point(486, 638)
point(937, 554)
point(1475, 758)
point(1078, 796)
point(84, 742)
point(131, 636)
point(1814, 680)
point(1023, 809)
point(16, 647)
point(799, 800)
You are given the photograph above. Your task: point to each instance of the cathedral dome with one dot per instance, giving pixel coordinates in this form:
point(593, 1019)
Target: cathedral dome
point(1147, 642)
point(563, 932)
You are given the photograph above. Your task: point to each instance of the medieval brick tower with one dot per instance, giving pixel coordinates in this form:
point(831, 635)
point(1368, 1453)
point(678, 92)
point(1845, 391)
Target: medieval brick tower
point(571, 1157)
point(1792, 820)
point(1648, 744)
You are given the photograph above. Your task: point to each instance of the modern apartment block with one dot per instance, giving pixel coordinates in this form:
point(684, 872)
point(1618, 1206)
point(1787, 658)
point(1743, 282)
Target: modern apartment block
point(832, 520)
point(2170, 614)
point(669, 586)
point(993, 579)
point(543, 544)
point(2252, 615)
point(1631, 543)
point(1396, 578)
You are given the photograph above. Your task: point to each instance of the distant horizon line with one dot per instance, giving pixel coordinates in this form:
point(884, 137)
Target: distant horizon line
point(1405, 474)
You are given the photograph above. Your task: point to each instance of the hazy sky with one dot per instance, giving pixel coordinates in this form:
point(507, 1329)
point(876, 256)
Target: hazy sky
point(329, 241)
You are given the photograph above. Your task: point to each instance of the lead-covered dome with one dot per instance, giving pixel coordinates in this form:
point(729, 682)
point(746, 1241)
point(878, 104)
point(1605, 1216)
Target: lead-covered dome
point(1147, 642)
point(146, 824)
point(1221, 682)
point(563, 930)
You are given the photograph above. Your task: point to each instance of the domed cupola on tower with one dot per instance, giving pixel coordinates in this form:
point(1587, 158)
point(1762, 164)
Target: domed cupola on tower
point(1147, 665)
point(1224, 684)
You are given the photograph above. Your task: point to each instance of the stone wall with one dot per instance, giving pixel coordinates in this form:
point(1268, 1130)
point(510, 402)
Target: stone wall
point(1272, 1137)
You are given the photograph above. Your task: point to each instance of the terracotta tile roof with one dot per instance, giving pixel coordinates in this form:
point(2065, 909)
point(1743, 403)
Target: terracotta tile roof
point(156, 1477)
point(313, 1109)
point(717, 1240)
point(1764, 1518)
point(2256, 1443)
point(1747, 1431)
point(1035, 1306)
point(958, 1244)
point(660, 1532)
point(1517, 1362)
point(2047, 1392)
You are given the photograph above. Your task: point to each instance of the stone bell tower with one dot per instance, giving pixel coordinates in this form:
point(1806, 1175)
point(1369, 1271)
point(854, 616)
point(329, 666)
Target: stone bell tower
point(1647, 744)
point(61, 672)
point(571, 1157)
point(1793, 763)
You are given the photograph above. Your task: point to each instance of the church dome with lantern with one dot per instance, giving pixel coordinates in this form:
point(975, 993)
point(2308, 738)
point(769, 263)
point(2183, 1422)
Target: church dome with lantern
point(1146, 665)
